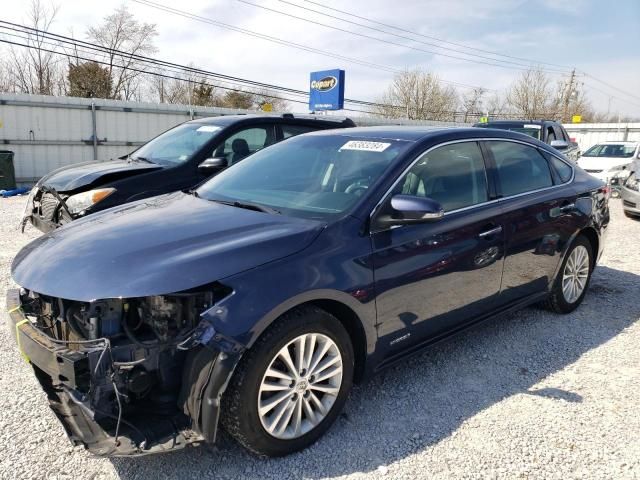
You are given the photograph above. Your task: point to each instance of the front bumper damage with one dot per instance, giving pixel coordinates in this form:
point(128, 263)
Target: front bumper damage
point(71, 372)
point(46, 209)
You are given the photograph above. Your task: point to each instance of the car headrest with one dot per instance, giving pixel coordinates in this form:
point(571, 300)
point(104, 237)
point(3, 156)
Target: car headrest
point(240, 145)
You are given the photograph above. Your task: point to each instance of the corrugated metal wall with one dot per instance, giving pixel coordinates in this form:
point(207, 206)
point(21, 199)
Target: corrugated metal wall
point(588, 134)
point(50, 132)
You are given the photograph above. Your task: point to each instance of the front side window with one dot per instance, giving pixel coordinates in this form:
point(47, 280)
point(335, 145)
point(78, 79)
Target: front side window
point(453, 175)
point(520, 168)
point(316, 176)
point(245, 142)
point(177, 145)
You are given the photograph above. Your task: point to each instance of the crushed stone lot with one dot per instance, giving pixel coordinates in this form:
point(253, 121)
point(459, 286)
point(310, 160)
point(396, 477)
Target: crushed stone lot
point(529, 395)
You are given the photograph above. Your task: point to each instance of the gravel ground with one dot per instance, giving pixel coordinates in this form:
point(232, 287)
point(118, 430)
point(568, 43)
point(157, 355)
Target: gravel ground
point(532, 395)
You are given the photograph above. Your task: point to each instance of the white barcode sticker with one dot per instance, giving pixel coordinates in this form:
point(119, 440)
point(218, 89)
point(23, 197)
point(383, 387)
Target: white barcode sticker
point(208, 128)
point(365, 146)
point(532, 126)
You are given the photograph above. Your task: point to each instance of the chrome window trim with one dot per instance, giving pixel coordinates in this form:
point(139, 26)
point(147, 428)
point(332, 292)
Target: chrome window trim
point(470, 207)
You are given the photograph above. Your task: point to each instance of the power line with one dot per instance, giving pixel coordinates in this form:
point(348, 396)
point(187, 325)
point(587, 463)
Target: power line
point(400, 29)
point(535, 62)
point(62, 39)
point(517, 66)
point(280, 41)
point(88, 48)
point(612, 86)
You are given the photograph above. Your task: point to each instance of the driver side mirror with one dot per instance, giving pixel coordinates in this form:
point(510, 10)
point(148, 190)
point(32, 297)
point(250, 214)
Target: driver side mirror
point(559, 144)
point(410, 209)
point(212, 165)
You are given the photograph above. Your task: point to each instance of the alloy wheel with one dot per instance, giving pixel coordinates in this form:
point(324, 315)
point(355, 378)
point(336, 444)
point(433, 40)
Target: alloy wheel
point(576, 274)
point(300, 386)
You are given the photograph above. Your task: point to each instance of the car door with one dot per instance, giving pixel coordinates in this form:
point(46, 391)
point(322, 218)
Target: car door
point(537, 203)
point(433, 277)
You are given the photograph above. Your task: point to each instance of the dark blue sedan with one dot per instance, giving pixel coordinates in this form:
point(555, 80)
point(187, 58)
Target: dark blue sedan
point(255, 301)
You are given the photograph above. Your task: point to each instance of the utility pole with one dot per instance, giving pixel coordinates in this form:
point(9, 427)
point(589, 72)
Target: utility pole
point(567, 95)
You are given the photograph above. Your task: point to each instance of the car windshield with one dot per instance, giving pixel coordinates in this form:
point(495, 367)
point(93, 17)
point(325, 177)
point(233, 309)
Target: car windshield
point(610, 150)
point(311, 176)
point(176, 145)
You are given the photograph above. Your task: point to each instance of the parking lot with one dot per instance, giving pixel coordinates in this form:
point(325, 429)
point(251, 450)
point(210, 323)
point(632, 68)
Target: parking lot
point(531, 395)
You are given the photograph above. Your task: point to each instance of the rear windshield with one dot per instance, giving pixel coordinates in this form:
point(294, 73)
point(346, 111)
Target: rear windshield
point(531, 130)
point(604, 150)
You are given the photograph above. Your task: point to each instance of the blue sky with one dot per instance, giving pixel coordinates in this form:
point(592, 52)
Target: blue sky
point(601, 38)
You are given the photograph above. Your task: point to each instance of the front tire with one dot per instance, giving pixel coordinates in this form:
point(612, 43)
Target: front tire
point(291, 385)
point(573, 277)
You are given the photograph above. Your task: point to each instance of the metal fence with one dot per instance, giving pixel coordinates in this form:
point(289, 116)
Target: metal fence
point(588, 134)
point(50, 132)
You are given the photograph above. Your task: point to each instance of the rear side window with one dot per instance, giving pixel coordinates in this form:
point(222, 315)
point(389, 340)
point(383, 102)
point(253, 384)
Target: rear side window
point(563, 170)
point(520, 168)
point(293, 130)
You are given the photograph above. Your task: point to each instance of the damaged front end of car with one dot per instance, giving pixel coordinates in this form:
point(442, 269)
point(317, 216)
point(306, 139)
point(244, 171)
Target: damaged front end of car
point(128, 376)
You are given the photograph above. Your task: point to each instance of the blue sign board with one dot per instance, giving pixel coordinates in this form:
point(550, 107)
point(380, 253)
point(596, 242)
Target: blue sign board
point(326, 90)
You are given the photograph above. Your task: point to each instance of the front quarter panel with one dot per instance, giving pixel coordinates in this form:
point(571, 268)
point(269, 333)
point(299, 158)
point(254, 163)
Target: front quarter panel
point(336, 267)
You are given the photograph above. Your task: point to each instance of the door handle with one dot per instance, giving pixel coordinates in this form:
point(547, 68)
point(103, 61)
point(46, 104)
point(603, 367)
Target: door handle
point(488, 233)
point(568, 207)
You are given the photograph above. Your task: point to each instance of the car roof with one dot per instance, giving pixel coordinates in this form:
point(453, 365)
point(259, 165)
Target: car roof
point(618, 142)
point(388, 132)
point(509, 123)
point(226, 120)
point(426, 133)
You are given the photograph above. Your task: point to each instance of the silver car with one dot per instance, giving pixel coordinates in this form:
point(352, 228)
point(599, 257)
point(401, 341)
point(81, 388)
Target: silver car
point(630, 191)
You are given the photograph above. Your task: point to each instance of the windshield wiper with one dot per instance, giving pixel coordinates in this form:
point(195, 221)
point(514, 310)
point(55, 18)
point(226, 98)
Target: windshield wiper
point(249, 206)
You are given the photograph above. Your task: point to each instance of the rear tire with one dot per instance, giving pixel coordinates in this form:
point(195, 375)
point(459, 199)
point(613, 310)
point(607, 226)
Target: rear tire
point(303, 409)
point(572, 281)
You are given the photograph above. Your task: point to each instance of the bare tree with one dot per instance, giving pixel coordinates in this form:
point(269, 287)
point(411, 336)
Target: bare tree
point(125, 38)
point(532, 97)
point(32, 69)
point(418, 95)
point(472, 103)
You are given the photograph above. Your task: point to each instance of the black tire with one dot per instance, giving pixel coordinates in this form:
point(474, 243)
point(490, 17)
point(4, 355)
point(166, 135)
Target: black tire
point(556, 301)
point(239, 413)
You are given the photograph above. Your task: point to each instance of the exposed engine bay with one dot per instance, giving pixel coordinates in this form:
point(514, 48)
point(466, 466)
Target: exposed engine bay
point(122, 361)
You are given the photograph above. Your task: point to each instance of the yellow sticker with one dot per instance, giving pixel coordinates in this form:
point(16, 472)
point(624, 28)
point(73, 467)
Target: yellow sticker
point(576, 119)
point(484, 119)
point(267, 107)
point(22, 322)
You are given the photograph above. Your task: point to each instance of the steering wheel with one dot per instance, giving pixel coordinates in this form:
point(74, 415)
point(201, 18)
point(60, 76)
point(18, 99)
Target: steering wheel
point(356, 188)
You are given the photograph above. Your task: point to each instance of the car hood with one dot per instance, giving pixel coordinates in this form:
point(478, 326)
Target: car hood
point(602, 163)
point(80, 175)
point(162, 245)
